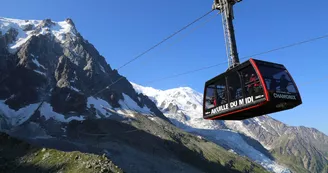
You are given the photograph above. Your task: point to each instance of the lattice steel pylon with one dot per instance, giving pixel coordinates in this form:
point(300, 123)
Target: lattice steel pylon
point(225, 7)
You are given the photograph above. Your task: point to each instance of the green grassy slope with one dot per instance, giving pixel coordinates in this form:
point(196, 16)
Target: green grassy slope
point(17, 156)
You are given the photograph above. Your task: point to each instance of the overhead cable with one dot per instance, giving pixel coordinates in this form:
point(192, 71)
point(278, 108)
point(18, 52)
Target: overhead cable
point(245, 57)
point(167, 38)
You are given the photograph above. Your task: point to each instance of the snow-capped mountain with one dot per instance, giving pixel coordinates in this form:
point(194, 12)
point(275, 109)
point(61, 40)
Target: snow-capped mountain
point(49, 73)
point(183, 106)
point(48, 66)
point(25, 29)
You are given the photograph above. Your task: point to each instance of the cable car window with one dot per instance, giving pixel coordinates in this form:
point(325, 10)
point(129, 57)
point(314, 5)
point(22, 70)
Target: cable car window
point(277, 79)
point(210, 97)
point(221, 91)
point(252, 83)
point(235, 90)
point(216, 94)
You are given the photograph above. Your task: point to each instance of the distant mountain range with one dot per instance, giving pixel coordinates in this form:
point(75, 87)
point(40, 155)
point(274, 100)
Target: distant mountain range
point(271, 143)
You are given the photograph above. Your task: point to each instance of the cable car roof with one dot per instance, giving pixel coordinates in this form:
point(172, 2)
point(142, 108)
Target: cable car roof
point(243, 65)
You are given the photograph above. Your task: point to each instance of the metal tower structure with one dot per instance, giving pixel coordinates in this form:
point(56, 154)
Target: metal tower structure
point(225, 7)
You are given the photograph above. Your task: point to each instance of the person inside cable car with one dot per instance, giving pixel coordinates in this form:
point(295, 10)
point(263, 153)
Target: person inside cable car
point(256, 84)
point(215, 102)
point(223, 97)
point(283, 83)
point(253, 80)
point(218, 100)
point(232, 93)
point(246, 78)
point(251, 85)
point(212, 101)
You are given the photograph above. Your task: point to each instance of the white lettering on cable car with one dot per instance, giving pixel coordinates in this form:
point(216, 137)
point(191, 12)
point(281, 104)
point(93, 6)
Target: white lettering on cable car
point(259, 96)
point(284, 96)
point(219, 109)
point(233, 104)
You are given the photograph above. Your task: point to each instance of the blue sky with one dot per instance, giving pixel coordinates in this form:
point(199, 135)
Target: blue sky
point(121, 30)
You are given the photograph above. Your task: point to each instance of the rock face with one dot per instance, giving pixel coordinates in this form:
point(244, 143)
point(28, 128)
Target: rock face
point(50, 62)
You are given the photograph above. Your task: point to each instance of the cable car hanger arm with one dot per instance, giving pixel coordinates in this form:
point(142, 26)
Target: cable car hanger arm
point(226, 9)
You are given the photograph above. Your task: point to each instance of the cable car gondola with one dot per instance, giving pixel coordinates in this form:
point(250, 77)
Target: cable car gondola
point(253, 88)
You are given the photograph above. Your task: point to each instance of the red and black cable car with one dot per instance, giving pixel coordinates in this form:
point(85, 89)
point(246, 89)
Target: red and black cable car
point(251, 89)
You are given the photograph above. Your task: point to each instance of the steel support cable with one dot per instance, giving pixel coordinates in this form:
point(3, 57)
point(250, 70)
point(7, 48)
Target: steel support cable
point(153, 47)
point(167, 38)
point(185, 73)
point(193, 30)
point(187, 34)
point(245, 57)
point(288, 46)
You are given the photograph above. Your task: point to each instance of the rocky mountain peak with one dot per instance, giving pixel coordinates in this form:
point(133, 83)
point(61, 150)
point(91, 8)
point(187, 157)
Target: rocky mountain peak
point(70, 21)
point(49, 64)
point(47, 23)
